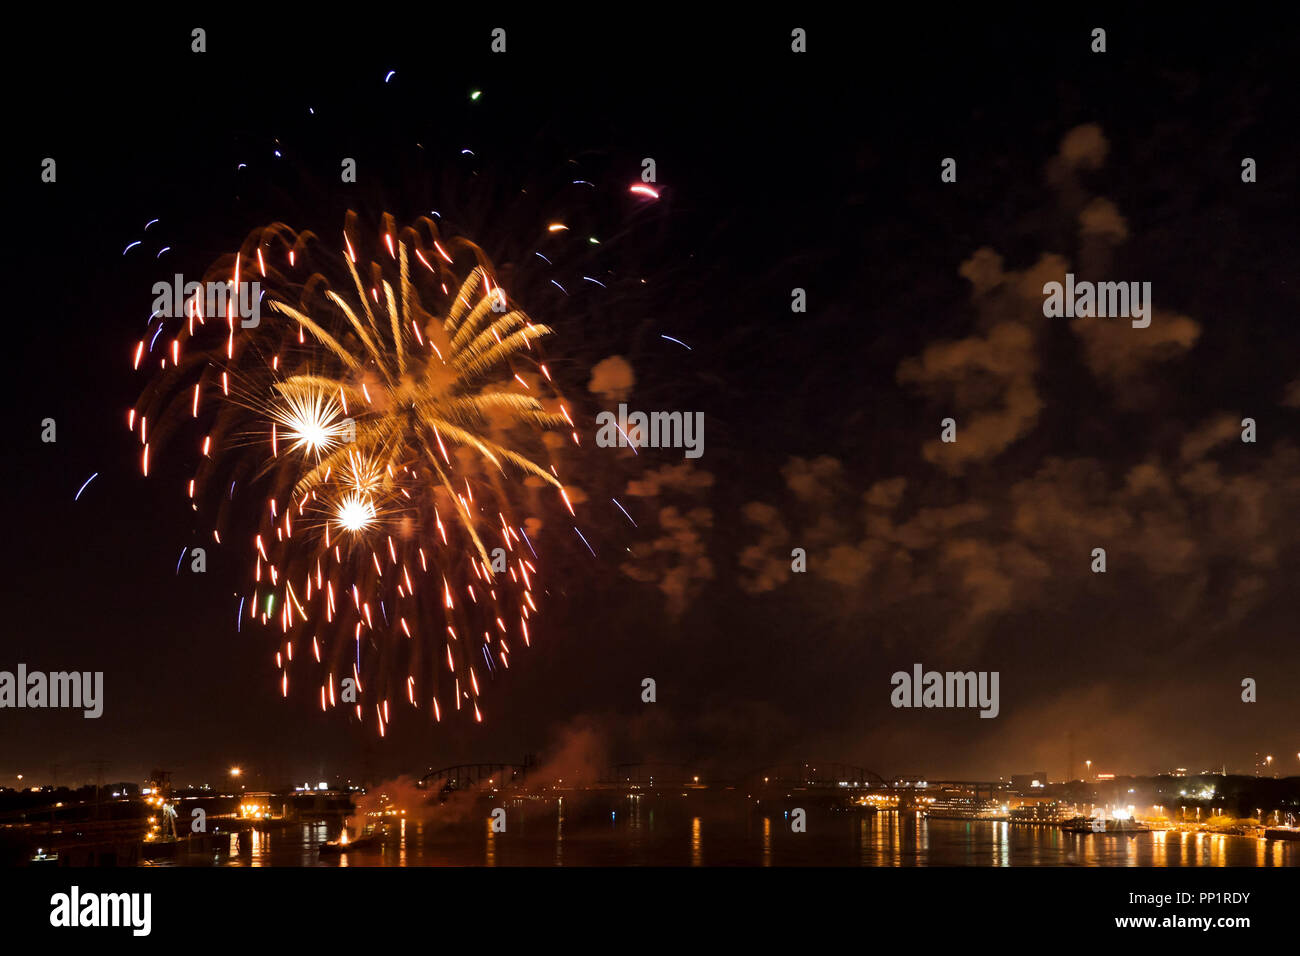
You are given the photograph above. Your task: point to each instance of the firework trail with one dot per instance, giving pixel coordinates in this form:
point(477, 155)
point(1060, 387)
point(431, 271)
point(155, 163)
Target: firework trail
point(389, 419)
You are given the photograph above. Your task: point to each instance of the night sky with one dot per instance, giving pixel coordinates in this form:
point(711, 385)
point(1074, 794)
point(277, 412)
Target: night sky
point(776, 171)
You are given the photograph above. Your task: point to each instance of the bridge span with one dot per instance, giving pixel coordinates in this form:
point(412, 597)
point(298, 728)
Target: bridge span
point(810, 775)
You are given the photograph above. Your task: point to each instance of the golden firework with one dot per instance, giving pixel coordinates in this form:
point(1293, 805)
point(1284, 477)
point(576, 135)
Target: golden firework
point(391, 419)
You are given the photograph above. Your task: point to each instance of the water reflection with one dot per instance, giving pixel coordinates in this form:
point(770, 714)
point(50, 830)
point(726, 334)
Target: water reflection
point(642, 835)
point(559, 833)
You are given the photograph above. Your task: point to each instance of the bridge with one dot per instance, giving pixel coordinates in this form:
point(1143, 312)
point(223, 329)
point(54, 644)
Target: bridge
point(814, 775)
point(471, 776)
point(811, 774)
point(671, 775)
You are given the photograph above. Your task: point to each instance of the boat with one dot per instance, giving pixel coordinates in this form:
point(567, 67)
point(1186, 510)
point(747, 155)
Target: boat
point(366, 841)
point(1112, 825)
point(1282, 833)
point(1051, 814)
point(963, 807)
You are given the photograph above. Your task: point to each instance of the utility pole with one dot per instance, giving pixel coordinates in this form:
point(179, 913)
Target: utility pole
point(99, 782)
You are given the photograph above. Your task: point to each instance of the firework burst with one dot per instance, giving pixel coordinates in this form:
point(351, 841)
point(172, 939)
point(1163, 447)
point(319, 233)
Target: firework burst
point(390, 421)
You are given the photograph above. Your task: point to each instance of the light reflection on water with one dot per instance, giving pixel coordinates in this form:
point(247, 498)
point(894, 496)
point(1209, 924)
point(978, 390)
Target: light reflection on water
point(633, 837)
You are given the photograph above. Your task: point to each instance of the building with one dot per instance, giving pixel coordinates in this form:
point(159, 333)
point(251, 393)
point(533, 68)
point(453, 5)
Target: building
point(1024, 782)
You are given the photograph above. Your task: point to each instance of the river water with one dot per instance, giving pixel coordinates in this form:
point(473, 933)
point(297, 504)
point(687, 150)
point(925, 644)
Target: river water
point(638, 839)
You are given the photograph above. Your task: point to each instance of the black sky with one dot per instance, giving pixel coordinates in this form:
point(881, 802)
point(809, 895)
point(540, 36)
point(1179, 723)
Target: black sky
point(818, 171)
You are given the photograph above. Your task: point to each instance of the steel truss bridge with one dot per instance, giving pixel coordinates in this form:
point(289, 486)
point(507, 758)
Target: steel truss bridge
point(811, 774)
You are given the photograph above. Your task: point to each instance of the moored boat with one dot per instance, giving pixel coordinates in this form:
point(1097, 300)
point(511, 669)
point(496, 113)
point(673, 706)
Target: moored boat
point(1111, 825)
point(343, 844)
